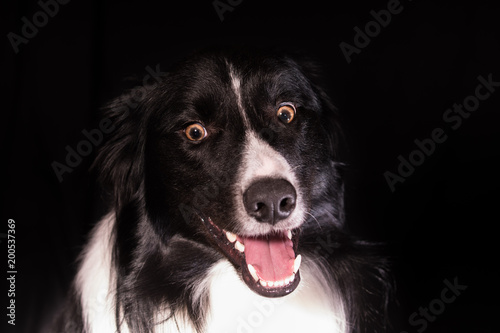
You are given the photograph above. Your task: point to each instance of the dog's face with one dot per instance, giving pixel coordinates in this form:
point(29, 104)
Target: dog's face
point(237, 153)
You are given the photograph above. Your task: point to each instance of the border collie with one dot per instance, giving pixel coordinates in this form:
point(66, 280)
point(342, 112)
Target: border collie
point(227, 210)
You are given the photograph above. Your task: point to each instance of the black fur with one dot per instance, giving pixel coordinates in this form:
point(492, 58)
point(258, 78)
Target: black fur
point(160, 183)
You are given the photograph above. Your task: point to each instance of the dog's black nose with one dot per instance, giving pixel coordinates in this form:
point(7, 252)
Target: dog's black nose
point(270, 200)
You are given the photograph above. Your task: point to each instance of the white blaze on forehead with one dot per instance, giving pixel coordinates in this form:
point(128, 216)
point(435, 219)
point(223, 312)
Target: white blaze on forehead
point(236, 86)
point(260, 160)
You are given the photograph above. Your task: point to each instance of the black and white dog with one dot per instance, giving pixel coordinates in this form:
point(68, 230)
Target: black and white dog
point(228, 210)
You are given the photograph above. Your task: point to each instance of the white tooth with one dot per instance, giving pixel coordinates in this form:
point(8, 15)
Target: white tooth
point(270, 283)
point(240, 247)
point(263, 283)
point(281, 283)
point(253, 272)
point(230, 236)
point(289, 234)
point(296, 263)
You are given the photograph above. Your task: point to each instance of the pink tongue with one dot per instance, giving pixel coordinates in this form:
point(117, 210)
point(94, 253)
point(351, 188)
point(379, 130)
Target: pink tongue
point(272, 256)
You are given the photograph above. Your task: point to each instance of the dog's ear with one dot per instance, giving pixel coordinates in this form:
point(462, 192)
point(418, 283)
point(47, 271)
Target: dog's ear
point(120, 161)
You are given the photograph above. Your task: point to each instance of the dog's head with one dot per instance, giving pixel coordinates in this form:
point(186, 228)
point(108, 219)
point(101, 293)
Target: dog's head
point(234, 150)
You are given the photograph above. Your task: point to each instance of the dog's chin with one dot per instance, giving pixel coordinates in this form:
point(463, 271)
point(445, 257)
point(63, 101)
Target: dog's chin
point(268, 263)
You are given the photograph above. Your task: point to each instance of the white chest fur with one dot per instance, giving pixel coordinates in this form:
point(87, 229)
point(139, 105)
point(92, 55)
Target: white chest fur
point(235, 308)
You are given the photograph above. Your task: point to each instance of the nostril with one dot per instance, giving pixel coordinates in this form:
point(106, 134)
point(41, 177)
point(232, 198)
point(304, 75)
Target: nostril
point(285, 208)
point(288, 201)
point(287, 204)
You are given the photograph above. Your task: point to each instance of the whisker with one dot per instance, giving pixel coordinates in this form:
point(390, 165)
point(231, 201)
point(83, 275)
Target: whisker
point(315, 219)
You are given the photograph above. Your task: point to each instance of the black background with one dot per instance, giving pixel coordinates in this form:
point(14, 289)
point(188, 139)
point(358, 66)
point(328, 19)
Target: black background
point(441, 223)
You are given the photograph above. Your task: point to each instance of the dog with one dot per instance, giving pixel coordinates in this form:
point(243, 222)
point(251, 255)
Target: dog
point(227, 209)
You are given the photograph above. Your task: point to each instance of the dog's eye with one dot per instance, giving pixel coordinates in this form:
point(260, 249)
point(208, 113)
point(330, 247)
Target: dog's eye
point(286, 113)
point(195, 132)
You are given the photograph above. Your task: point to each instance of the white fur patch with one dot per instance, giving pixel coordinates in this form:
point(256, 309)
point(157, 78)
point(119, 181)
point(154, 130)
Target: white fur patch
point(261, 160)
point(312, 307)
point(236, 86)
point(95, 280)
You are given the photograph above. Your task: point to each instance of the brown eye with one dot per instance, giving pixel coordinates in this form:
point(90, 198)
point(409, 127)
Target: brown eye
point(195, 132)
point(286, 113)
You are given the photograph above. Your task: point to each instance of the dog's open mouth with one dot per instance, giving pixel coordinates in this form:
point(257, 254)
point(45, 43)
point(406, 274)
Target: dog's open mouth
point(268, 263)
